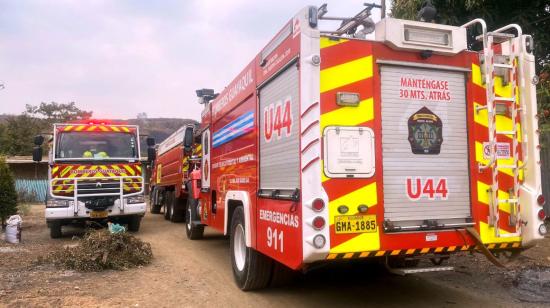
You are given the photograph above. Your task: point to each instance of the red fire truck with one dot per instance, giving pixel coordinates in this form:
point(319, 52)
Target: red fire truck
point(174, 163)
point(94, 174)
point(404, 145)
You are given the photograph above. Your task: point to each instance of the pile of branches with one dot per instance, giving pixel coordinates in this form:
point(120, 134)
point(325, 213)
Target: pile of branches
point(100, 250)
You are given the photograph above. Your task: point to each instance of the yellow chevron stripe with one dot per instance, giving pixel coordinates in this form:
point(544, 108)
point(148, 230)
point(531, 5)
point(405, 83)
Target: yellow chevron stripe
point(80, 127)
point(451, 248)
point(68, 128)
point(124, 128)
point(488, 235)
point(348, 255)
point(129, 169)
point(103, 128)
point(343, 74)
point(54, 169)
point(483, 196)
point(349, 116)
point(91, 128)
point(364, 254)
point(509, 161)
point(410, 251)
point(395, 252)
point(328, 42)
point(332, 256)
point(73, 175)
point(114, 128)
point(425, 250)
point(502, 122)
point(500, 90)
point(364, 195)
point(380, 253)
point(439, 249)
point(104, 168)
point(67, 169)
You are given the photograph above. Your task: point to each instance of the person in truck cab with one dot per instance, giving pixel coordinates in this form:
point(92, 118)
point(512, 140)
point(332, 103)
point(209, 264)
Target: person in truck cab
point(100, 152)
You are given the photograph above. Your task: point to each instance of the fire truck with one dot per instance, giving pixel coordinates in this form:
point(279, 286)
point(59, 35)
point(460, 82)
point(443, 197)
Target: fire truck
point(176, 158)
point(396, 140)
point(95, 174)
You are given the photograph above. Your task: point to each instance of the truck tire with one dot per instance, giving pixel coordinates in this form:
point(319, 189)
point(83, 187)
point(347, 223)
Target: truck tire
point(192, 230)
point(134, 223)
point(251, 269)
point(282, 275)
point(167, 204)
point(155, 204)
point(55, 229)
point(178, 209)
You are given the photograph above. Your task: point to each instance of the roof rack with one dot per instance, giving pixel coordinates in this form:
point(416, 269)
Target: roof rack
point(350, 25)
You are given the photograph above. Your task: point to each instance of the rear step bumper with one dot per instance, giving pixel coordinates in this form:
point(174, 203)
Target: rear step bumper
point(416, 270)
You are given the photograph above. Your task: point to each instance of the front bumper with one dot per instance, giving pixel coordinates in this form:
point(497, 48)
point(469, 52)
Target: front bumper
point(57, 213)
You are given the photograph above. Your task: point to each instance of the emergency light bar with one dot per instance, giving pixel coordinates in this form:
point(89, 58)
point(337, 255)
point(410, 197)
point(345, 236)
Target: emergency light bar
point(415, 35)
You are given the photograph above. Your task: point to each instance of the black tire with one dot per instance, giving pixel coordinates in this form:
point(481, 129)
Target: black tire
point(134, 223)
point(255, 271)
point(282, 275)
point(55, 229)
point(167, 204)
point(403, 262)
point(177, 214)
point(193, 231)
point(155, 204)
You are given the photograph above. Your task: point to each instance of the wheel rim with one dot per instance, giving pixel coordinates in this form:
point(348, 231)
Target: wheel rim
point(239, 247)
point(188, 225)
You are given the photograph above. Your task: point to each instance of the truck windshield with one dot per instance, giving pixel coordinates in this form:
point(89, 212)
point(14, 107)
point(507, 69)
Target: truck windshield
point(96, 146)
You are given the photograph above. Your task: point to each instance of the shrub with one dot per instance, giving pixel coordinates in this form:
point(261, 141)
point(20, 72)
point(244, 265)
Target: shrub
point(8, 195)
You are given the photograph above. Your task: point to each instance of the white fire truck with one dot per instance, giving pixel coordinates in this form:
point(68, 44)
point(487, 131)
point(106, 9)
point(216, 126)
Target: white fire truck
point(331, 146)
point(94, 174)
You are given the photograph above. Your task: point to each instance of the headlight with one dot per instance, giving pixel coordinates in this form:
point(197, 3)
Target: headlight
point(59, 203)
point(135, 199)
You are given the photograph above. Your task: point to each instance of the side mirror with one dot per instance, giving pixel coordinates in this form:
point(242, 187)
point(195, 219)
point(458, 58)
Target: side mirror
point(151, 154)
point(38, 140)
point(37, 153)
point(188, 139)
point(150, 141)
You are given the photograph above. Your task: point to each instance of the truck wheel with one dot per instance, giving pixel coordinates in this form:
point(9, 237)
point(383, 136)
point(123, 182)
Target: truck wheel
point(193, 231)
point(282, 275)
point(178, 209)
point(55, 229)
point(134, 223)
point(155, 204)
point(251, 269)
point(167, 204)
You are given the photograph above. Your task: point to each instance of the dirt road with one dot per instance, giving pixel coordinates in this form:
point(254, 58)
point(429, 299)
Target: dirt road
point(198, 273)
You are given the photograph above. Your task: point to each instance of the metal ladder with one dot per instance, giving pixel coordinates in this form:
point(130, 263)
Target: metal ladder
point(511, 68)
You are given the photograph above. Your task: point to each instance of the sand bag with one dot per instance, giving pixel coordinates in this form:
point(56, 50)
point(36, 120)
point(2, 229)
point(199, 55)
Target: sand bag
point(13, 229)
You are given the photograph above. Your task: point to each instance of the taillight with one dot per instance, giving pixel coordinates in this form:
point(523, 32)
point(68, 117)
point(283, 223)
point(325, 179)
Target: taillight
point(318, 205)
point(319, 241)
point(318, 223)
point(542, 214)
point(540, 200)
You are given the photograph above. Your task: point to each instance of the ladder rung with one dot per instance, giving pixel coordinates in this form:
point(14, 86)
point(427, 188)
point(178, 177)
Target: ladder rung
point(506, 132)
point(508, 66)
point(508, 200)
point(505, 99)
point(507, 166)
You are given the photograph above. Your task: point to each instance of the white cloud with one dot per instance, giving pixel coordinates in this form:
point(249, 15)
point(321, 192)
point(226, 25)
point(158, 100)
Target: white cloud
point(119, 58)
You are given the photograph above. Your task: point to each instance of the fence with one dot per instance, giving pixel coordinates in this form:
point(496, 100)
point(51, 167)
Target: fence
point(545, 168)
point(31, 190)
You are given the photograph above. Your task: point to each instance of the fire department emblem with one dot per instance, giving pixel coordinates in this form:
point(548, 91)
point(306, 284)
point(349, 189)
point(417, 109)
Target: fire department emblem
point(425, 132)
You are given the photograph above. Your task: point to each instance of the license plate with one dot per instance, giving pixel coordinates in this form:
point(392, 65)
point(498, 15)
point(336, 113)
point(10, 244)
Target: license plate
point(355, 224)
point(98, 214)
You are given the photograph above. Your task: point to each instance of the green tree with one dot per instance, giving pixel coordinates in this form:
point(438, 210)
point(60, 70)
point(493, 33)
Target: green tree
point(532, 15)
point(57, 113)
point(19, 133)
point(8, 195)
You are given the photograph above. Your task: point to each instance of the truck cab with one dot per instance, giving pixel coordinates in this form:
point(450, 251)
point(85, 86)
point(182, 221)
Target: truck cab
point(95, 174)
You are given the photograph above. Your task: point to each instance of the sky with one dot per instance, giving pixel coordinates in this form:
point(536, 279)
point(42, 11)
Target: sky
point(119, 58)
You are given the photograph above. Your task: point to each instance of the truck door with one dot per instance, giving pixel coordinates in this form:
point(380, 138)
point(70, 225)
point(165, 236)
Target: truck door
point(205, 164)
point(425, 148)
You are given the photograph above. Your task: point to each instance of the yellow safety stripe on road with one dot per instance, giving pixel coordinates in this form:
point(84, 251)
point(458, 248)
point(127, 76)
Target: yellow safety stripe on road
point(329, 42)
point(349, 116)
point(343, 74)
